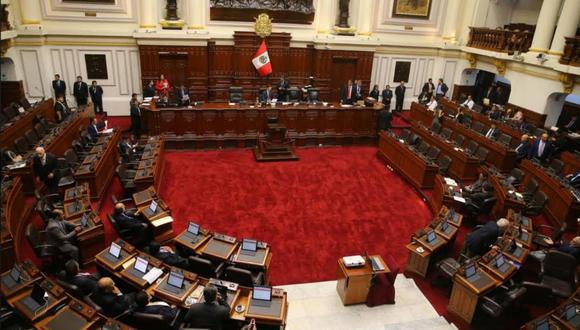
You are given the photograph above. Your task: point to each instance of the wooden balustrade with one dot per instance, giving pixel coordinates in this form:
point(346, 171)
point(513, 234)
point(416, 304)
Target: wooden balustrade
point(499, 40)
point(571, 54)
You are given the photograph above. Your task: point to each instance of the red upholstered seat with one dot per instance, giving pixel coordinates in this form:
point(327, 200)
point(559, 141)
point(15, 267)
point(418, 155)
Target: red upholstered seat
point(383, 287)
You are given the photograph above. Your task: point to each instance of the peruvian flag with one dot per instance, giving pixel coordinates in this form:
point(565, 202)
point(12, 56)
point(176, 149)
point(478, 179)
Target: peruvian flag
point(261, 60)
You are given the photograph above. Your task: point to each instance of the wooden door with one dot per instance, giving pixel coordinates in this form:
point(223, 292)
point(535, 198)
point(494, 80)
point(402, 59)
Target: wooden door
point(343, 69)
point(174, 67)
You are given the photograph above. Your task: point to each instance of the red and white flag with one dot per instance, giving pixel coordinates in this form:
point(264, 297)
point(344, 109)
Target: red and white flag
point(261, 60)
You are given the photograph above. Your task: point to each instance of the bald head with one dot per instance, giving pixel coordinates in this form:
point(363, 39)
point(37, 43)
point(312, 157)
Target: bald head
point(39, 152)
point(106, 284)
point(503, 223)
point(525, 137)
point(119, 207)
point(544, 137)
point(575, 242)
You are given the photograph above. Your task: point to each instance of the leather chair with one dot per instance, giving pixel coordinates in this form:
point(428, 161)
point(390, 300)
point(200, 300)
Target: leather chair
point(423, 147)
point(31, 137)
point(500, 300)
point(205, 268)
point(71, 158)
point(21, 145)
point(556, 166)
point(458, 140)
point(446, 133)
point(79, 148)
point(48, 125)
point(557, 276)
point(516, 176)
point(481, 154)
point(243, 277)
point(47, 253)
point(294, 94)
point(70, 288)
point(433, 153)
point(471, 147)
point(447, 268)
point(313, 95)
point(467, 122)
point(127, 177)
point(435, 127)
point(478, 127)
point(10, 112)
point(474, 210)
point(530, 189)
point(505, 139)
point(414, 139)
point(65, 174)
point(444, 162)
point(86, 141)
point(536, 205)
point(39, 130)
point(46, 204)
point(124, 234)
point(542, 232)
point(236, 94)
point(405, 134)
point(146, 321)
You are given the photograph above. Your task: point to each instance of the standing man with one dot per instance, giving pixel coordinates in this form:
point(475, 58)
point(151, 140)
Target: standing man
point(428, 88)
point(441, 89)
point(541, 149)
point(81, 91)
point(400, 96)
point(183, 95)
point(348, 93)
point(135, 117)
point(283, 86)
point(387, 95)
point(149, 90)
point(44, 166)
point(358, 89)
point(58, 86)
point(61, 110)
point(523, 149)
point(96, 93)
point(62, 233)
point(266, 95)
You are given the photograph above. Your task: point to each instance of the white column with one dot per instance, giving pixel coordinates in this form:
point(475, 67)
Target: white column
point(567, 24)
point(450, 28)
point(195, 13)
point(30, 12)
point(365, 15)
point(546, 25)
point(324, 15)
point(147, 15)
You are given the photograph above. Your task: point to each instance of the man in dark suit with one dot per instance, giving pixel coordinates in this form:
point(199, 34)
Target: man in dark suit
point(59, 86)
point(213, 313)
point(441, 89)
point(400, 96)
point(492, 133)
point(167, 255)
point(44, 166)
point(266, 95)
point(135, 117)
point(93, 130)
point(478, 242)
point(523, 148)
point(384, 120)
point(149, 90)
point(142, 300)
point(81, 91)
point(282, 87)
point(96, 93)
point(574, 179)
point(387, 95)
point(183, 95)
point(61, 110)
point(129, 221)
point(62, 234)
point(358, 90)
point(348, 93)
point(541, 149)
point(428, 88)
point(111, 299)
point(86, 282)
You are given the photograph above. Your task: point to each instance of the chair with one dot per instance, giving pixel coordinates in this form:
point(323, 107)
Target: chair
point(516, 176)
point(557, 275)
point(467, 122)
point(446, 133)
point(65, 174)
point(21, 145)
point(48, 125)
point(243, 277)
point(382, 289)
point(70, 288)
point(539, 131)
point(313, 95)
point(435, 127)
point(294, 94)
point(414, 139)
point(71, 158)
point(146, 321)
point(46, 204)
point(500, 300)
point(471, 147)
point(423, 147)
point(3, 119)
point(459, 139)
point(405, 133)
point(37, 240)
point(536, 205)
point(10, 112)
point(475, 210)
point(31, 137)
point(205, 268)
point(530, 189)
point(505, 139)
point(79, 148)
point(481, 154)
point(39, 130)
point(124, 234)
point(126, 176)
point(448, 267)
point(556, 234)
point(236, 94)
point(444, 163)
point(556, 166)
point(433, 153)
point(478, 127)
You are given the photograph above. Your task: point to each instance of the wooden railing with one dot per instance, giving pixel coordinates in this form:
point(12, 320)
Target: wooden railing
point(571, 54)
point(500, 40)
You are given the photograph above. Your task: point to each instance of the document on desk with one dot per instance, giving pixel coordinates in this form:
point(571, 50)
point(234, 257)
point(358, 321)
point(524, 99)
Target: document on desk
point(107, 131)
point(152, 275)
point(459, 199)
point(162, 221)
point(450, 182)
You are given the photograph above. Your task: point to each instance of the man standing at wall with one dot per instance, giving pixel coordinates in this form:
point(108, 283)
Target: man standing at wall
point(400, 96)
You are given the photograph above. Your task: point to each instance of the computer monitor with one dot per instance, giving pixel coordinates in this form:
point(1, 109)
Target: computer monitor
point(431, 236)
point(84, 220)
point(570, 312)
point(115, 250)
point(542, 324)
point(249, 245)
point(37, 294)
point(15, 274)
point(499, 261)
point(263, 293)
point(451, 214)
point(141, 264)
point(469, 270)
point(153, 206)
point(193, 228)
point(175, 279)
point(444, 225)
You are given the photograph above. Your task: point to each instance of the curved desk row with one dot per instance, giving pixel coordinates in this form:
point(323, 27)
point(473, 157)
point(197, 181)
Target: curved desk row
point(13, 211)
point(151, 164)
point(25, 122)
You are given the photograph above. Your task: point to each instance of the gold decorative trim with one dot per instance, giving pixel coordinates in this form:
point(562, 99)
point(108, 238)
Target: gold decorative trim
point(567, 81)
point(539, 50)
point(324, 31)
point(472, 59)
point(147, 26)
point(195, 27)
point(25, 21)
point(501, 67)
point(263, 25)
point(172, 24)
point(555, 52)
point(367, 34)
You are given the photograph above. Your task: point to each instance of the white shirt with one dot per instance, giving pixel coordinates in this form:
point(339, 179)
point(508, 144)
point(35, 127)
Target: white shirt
point(431, 106)
point(468, 103)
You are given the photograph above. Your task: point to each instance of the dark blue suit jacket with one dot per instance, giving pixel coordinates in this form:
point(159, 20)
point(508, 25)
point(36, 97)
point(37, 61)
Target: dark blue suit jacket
point(548, 150)
point(479, 241)
point(93, 132)
point(166, 311)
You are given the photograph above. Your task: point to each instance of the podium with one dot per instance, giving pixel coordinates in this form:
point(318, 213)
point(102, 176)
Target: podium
point(275, 146)
point(353, 284)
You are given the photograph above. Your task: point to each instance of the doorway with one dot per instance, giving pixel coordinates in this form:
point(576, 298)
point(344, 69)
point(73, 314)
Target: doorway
point(343, 69)
point(174, 67)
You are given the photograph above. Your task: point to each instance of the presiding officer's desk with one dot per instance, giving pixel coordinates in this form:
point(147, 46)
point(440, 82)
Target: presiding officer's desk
point(221, 124)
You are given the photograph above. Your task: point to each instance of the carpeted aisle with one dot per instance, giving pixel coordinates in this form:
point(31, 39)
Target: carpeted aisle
point(332, 202)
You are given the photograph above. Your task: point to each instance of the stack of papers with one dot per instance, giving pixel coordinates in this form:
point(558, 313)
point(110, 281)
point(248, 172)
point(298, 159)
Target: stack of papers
point(162, 221)
point(147, 99)
point(450, 182)
point(152, 275)
point(353, 261)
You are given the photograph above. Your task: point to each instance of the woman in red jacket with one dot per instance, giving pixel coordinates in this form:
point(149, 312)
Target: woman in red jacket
point(162, 86)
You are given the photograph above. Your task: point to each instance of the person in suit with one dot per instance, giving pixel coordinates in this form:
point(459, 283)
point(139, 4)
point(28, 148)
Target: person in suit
point(523, 148)
point(387, 95)
point(135, 117)
point(61, 110)
point(428, 88)
point(572, 248)
point(86, 282)
point(62, 234)
point(478, 242)
point(541, 149)
point(400, 96)
point(460, 116)
point(126, 148)
point(375, 92)
point(93, 130)
point(468, 102)
point(385, 119)
point(574, 179)
point(144, 305)
point(167, 255)
point(130, 221)
point(80, 91)
point(59, 86)
point(183, 95)
point(162, 86)
point(358, 90)
point(282, 88)
point(495, 113)
point(96, 93)
point(500, 97)
point(432, 104)
point(213, 313)
point(44, 166)
point(111, 299)
point(266, 96)
point(348, 93)
point(441, 89)
point(477, 186)
point(149, 90)
point(492, 133)
point(489, 95)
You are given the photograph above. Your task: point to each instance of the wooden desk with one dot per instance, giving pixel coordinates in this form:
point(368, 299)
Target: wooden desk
point(76, 208)
point(219, 249)
point(76, 315)
point(145, 196)
point(25, 122)
point(14, 209)
point(354, 283)
point(185, 239)
point(275, 314)
point(414, 168)
point(152, 163)
point(561, 206)
point(73, 193)
point(160, 221)
point(189, 284)
point(442, 195)
point(465, 294)
point(260, 260)
point(56, 296)
point(571, 162)
point(506, 198)
point(501, 274)
point(133, 276)
point(109, 263)
point(417, 262)
point(8, 287)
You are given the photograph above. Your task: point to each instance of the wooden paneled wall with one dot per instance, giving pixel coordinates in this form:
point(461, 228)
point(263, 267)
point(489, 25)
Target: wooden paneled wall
point(212, 69)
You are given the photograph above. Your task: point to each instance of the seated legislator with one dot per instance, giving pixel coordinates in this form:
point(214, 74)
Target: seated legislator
point(144, 305)
point(62, 234)
point(93, 129)
point(468, 103)
point(478, 242)
point(495, 113)
point(149, 90)
point(432, 104)
point(213, 313)
point(183, 95)
point(86, 282)
point(166, 254)
point(572, 248)
point(460, 116)
point(478, 197)
point(44, 166)
point(111, 299)
point(130, 221)
point(266, 96)
point(61, 110)
point(524, 147)
point(477, 186)
point(541, 149)
point(493, 132)
point(348, 93)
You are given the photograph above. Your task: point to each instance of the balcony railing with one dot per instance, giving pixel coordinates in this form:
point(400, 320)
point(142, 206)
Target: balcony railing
point(500, 40)
point(571, 54)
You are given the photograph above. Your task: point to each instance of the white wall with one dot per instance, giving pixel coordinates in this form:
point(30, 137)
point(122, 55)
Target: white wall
point(468, 77)
point(526, 11)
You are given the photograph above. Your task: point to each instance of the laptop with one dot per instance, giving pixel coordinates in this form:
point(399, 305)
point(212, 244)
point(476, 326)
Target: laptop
point(175, 282)
point(249, 247)
point(470, 272)
point(140, 265)
point(571, 314)
point(444, 225)
point(36, 298)
point(261, 296)
point(114, 252)
point(13, 277)
point(15, 274)
point(153, 207)
point(193, 230)
point(431, 237)
point(84, 221)
point(499, 262)
point(543, 324)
